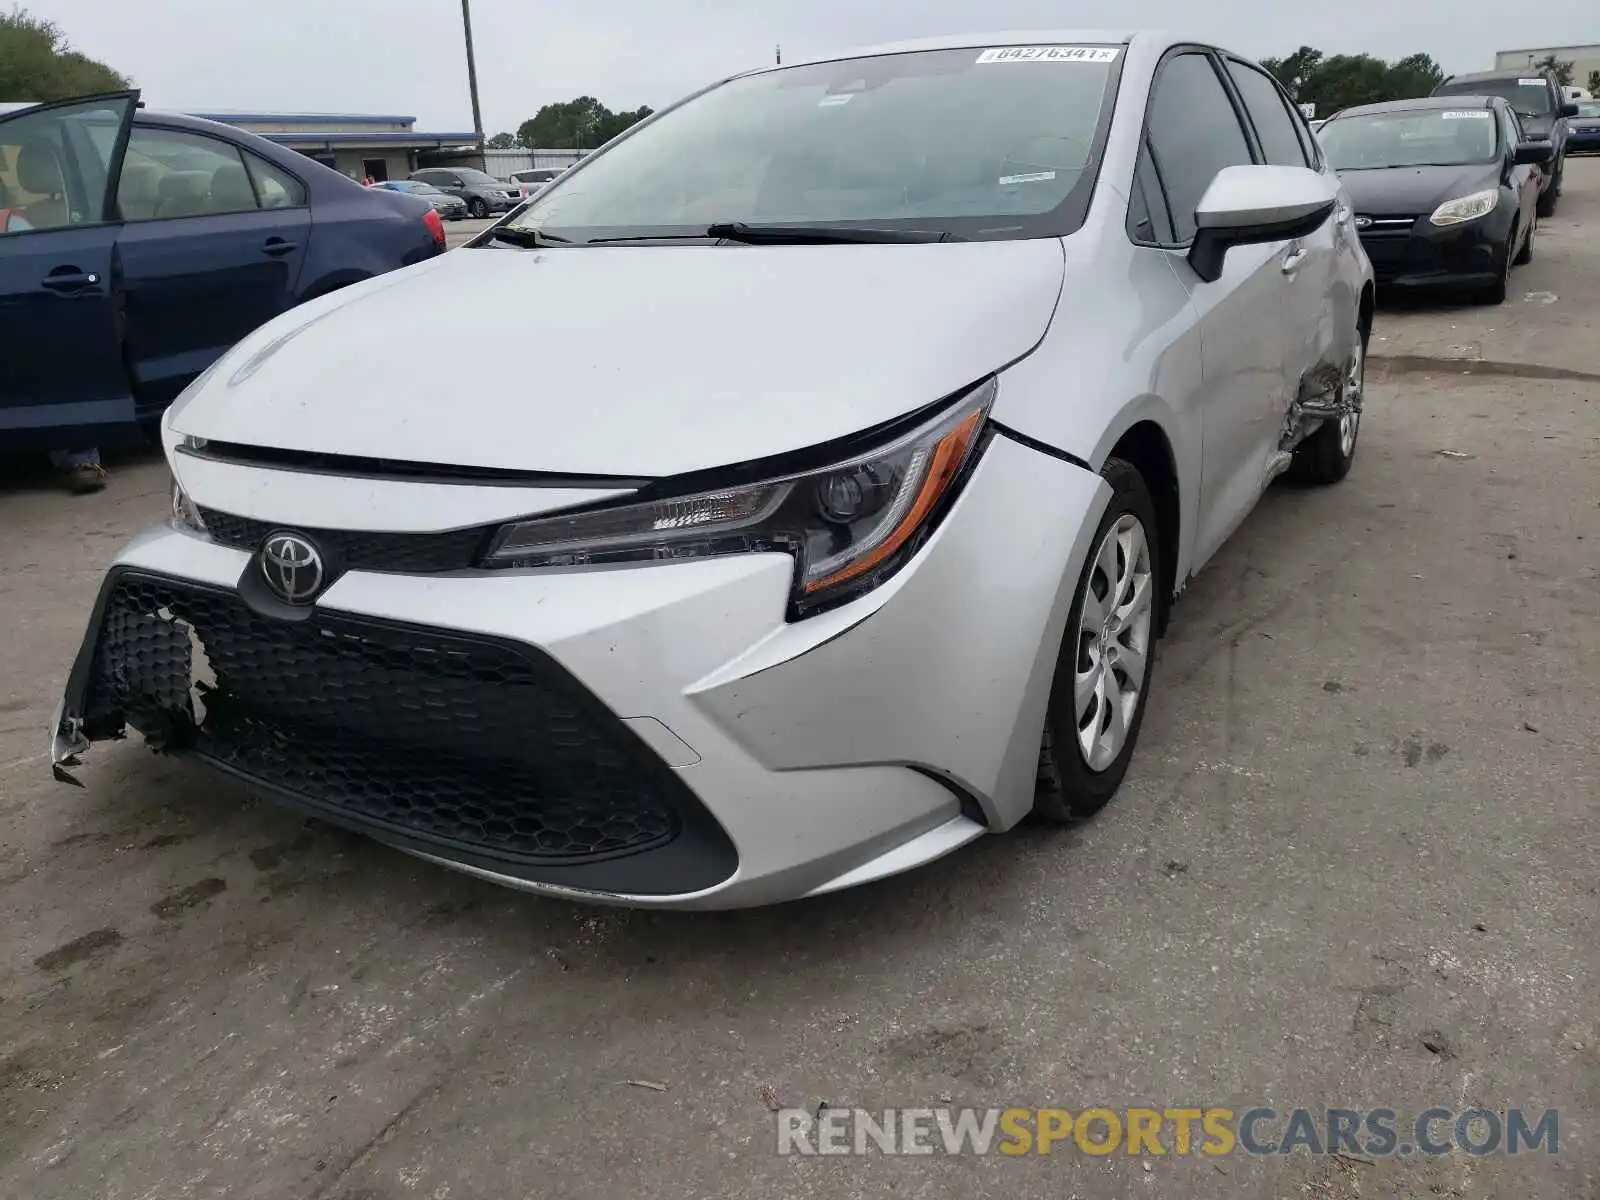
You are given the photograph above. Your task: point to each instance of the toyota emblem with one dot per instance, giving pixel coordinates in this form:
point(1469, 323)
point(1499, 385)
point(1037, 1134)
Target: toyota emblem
point(292, 567)
point(1363, 222)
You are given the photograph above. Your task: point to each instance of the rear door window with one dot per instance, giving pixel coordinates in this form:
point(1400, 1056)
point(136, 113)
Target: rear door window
point(1269, 113)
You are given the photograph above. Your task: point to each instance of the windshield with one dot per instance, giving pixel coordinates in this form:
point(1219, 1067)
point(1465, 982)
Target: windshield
point(411, 185)
point(973, 142)
point(1419, 138)
point(1589, 108)
point(1530, 95)
point(470, 176)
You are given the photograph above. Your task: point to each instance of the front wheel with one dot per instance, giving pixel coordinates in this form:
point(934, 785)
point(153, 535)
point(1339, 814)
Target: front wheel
point(1326, 455)
point(477, 208)
point(1102, 678)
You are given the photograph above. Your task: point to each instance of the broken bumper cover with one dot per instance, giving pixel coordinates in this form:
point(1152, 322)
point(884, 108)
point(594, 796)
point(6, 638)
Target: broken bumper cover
point(655, 735)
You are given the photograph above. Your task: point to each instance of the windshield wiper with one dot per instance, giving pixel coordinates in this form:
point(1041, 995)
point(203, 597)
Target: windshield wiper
point(821, 235)
point(528, 239)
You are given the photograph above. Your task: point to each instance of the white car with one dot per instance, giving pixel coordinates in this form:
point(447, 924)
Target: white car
point(887, 402)
point(531, 182)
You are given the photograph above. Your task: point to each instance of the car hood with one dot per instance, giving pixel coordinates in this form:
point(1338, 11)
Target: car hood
point(1410, 191)
point(651, 361)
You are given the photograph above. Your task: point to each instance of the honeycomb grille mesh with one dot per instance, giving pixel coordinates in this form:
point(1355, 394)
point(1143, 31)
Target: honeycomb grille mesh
point(454, 741)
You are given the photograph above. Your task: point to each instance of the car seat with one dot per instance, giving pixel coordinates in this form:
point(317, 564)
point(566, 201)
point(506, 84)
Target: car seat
point(231, 190)
point(137, 193)
point(183, 194)
point(38, 172)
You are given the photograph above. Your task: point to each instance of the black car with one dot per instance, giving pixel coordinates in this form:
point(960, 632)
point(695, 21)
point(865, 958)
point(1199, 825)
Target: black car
point(483, 194)
point(1445, 190)
point(1542, 107)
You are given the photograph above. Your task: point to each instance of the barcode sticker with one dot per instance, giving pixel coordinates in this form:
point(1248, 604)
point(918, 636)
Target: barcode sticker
point(1031, 177)
point(1477, 114)
point(1089, 54)
point(1530, 83)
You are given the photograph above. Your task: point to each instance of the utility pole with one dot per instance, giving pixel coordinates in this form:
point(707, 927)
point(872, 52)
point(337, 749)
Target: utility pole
point(472, 67)
point(779, 56)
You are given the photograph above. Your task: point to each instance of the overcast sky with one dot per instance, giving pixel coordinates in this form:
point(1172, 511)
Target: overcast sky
point(406, 56)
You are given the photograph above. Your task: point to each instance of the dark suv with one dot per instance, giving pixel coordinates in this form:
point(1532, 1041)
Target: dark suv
point(1541, 106)
point(483, 193)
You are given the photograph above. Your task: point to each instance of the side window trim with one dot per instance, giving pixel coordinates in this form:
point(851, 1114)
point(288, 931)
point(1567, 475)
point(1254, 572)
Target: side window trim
point(1151, 192)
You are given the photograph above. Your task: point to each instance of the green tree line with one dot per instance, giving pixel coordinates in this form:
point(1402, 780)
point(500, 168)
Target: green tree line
point(581, 124)
point(1336, 81)
point(36, 63)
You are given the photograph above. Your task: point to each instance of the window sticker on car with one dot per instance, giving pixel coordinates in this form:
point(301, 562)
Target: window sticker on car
point(835, 101)
point(1477, 114)
point(1032, 177)
point(1530, 83)
point(1090, 54)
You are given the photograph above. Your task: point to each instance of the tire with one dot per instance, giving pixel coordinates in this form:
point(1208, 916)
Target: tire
point(1495, 293)
point(1552, 194)
point(1071, 787)
point(1525, 255)
point(477, 208)
point(1325, 457)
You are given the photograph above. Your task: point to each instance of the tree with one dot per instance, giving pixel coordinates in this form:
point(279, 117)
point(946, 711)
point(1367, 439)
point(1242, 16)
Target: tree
point(581, 124)
point(1563, 70)
point(1412, 76)
point(501, 141)
point(36, 63)
point(1594, 83)
point(1336, 82)
point(1346, 79)
point(1294, 70)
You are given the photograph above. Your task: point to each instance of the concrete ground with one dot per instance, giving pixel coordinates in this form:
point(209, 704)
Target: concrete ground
point(458, 233)
point(1353, 864)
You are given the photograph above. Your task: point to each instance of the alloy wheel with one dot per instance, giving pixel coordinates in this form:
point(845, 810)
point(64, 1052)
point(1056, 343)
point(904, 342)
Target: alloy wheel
point(1355, 382)
point(1113, 641)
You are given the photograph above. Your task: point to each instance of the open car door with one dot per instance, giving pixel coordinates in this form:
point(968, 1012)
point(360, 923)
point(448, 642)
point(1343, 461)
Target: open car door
point(63, 381)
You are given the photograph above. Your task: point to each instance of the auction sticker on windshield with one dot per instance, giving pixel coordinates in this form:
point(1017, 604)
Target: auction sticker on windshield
point(1009, 54)
point(1477, 114)
point(1530, 83)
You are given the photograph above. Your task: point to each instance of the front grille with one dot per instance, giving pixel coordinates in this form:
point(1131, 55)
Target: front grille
point(399, 553)
point(472, 749)
point(1385, 225)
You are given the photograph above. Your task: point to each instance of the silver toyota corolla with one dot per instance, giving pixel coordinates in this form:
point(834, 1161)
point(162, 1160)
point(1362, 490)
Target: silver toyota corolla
point(886, 403)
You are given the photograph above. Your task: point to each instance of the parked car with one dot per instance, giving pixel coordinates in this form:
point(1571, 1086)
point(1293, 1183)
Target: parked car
point(116, 297)
point(886, 404)
point(1446, 190)
point(531, 182)
point(1583, 130)
point(1537, 98)
point(481, 193)
point(451, 208)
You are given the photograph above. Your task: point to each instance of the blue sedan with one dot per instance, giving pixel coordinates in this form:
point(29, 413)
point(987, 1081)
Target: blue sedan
point(135, 247)
point(1583, 130)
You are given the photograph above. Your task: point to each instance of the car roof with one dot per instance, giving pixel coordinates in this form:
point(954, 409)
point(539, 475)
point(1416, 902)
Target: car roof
point(1485, 76)
point(1421, 103)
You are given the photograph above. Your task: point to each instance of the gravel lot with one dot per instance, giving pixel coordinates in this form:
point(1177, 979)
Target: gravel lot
point(1354, 864)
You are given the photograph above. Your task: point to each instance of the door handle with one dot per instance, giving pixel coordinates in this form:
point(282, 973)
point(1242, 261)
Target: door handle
point(1293, 259)
point(69, 280)
point(277, 247)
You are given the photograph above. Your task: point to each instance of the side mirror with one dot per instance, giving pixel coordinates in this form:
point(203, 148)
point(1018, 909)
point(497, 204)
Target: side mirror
point(1569, 110)
point(1246, 205)
point(1534, 154)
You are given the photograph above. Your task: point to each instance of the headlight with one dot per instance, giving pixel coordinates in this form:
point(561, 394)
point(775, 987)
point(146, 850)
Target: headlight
point(1466, 208)
point(849, 525)
point(185, 515)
